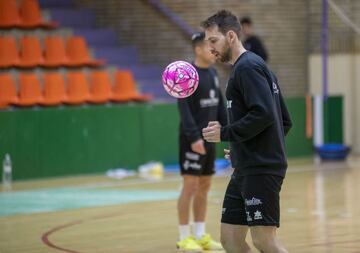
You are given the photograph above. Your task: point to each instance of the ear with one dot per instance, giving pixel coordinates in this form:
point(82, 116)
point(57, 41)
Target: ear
point(197, 50)
point(230, 36)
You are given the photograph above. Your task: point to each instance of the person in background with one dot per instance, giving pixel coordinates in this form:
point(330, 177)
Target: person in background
point(197, 156)
point(250, 41)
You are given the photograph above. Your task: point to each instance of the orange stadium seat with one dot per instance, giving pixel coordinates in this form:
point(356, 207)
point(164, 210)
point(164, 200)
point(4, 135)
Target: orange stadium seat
point(100, 90)
point(77, 88)
point(78, 53)
point(55, 53)
point(125, 88)
point(54, 89)
point(31, 15)
point(30, 90)
point(30, 52)
point(9, 14)
point(8, 93)
point(9, 55)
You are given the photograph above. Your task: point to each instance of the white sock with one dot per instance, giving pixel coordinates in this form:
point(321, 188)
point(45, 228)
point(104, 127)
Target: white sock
point(184, 231)
point(199, 229)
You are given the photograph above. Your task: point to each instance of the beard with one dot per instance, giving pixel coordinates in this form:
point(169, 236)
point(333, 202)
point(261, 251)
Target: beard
point(225, 55)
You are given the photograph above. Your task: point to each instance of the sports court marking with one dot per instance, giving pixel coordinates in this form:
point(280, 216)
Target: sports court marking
point(94, 195)
point(26, 202)
point(46, 241)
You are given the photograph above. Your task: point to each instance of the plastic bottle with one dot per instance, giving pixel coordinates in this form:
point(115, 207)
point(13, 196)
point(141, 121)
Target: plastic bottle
point(7, 173)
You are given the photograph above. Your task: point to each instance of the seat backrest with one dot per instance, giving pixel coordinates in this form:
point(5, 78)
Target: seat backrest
point(30, 87)
point(30, 49)
point(124, 82)
point(77, 86)
point(8, 51)
point(54, 49)
point(77, 49)
point(7, 89)
point(54, 86)
point(9, 14)
point(100, 82)
point(30, 12)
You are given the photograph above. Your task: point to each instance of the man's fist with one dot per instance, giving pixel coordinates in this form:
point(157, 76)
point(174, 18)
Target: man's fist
point(211, 133)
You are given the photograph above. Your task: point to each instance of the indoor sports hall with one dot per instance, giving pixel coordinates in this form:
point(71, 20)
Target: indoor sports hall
point(89, 137)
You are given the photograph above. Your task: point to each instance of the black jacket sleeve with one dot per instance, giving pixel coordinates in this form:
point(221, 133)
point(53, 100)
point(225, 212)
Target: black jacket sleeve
point(285, 115)
point(258, 99)
point(222, 114)
point(187, 120)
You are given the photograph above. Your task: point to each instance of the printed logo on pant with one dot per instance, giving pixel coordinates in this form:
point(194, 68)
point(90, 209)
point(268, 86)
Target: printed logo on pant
point(192, 156)
point(257, 215)
point(253, 202)
point(194, 165)
point(248, 217)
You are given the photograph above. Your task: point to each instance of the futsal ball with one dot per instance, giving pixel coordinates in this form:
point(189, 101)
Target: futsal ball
point(180, 79)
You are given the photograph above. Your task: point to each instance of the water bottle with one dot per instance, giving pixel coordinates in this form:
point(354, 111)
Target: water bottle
point(7, 173)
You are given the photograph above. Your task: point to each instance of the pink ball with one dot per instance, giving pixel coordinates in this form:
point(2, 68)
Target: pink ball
point(180, 79)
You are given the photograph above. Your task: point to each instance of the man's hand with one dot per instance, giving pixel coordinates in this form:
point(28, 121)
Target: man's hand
point(212, 132)
point(227, 154)
point(198, 147)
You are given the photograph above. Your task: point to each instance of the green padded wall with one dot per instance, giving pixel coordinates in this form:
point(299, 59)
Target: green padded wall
point(297, 144)
point(333, 120)
point(160, 126)
point(45, 142)
point(70, 140)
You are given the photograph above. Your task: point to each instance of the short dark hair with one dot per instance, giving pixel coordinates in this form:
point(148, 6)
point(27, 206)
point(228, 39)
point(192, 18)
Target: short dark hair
point(225, 20)
point(197, 39)
point(245, 20)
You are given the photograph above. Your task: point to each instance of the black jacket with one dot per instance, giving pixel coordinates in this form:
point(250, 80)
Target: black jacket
point(259, 119)
point(255, 45)
point(206, 104)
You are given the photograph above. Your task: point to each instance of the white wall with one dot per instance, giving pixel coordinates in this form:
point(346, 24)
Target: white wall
point(344, 79)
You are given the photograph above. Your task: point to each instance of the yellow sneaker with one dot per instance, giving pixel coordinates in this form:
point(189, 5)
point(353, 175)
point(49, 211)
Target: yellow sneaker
point(188, 244)
point(207, 243)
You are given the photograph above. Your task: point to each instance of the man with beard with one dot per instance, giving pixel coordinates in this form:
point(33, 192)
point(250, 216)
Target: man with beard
point(258, 124)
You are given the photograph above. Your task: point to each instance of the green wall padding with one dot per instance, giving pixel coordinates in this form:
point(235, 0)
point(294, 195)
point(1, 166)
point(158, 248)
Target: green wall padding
point(64, 141)
point(333, 120)
point(297, 144)
point(58, 141)
point(160, 133)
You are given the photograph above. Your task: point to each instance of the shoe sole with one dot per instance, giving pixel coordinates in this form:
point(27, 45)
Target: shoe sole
point(187, 251)
point(213, 251)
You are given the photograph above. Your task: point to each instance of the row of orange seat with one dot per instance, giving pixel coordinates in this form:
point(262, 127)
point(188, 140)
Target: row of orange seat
point(26, 15)
point(55, 54)
point(77, 90)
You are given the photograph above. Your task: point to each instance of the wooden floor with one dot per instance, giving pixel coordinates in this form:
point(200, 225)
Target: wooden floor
point(320, 213)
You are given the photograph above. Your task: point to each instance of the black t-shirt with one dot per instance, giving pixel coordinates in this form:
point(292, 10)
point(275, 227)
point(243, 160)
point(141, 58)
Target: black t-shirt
point(255, 45)
point(206, 104)
point(258, 117)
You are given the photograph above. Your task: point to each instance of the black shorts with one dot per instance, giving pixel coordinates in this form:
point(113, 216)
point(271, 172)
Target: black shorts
point(192, 163)
point(252, 200)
